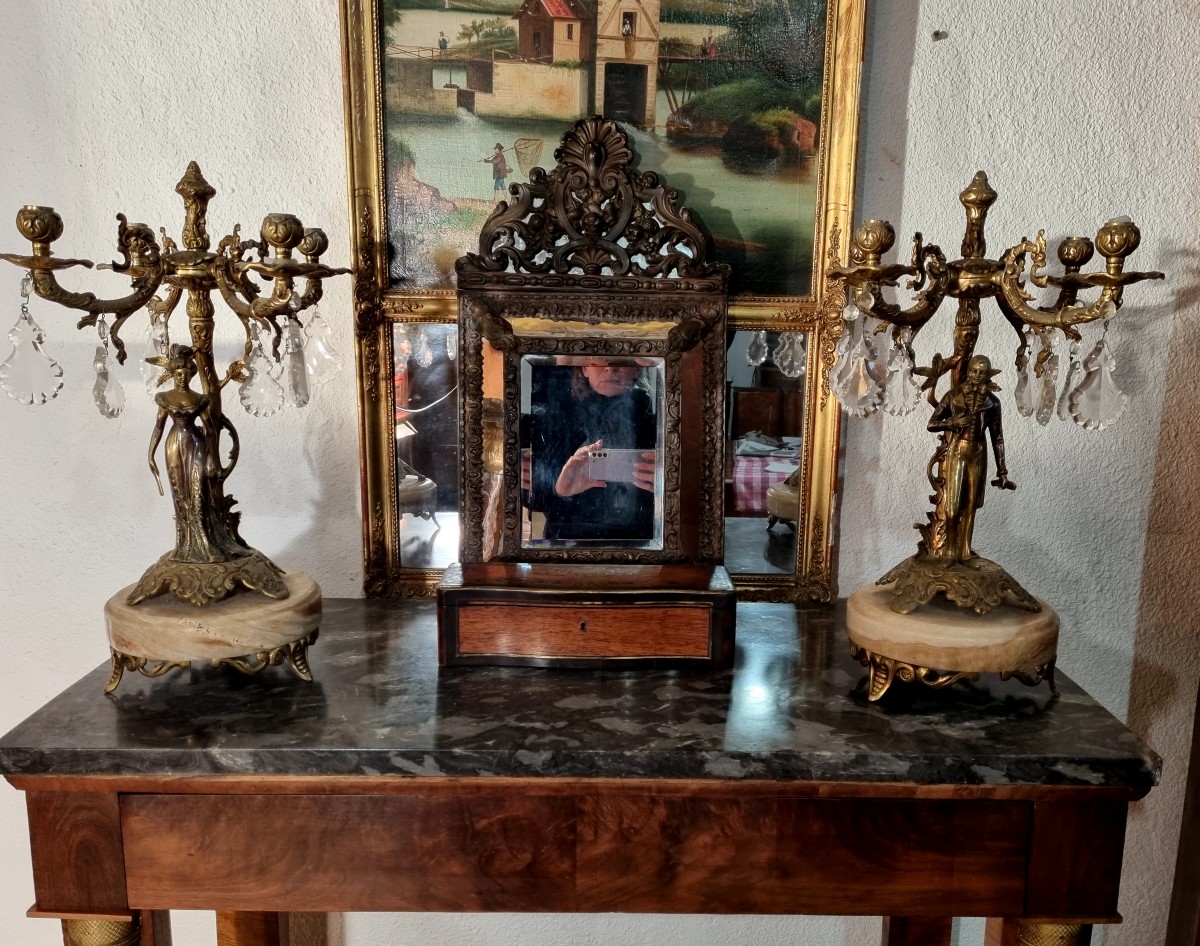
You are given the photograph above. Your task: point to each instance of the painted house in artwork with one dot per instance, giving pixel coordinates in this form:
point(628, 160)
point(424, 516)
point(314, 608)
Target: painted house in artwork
point(553, 31)
point(626, 80)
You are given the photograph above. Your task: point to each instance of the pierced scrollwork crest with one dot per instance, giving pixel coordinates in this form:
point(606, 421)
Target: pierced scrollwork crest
point(592, 215)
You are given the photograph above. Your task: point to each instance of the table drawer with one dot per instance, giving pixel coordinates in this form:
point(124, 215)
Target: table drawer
point(574, 629)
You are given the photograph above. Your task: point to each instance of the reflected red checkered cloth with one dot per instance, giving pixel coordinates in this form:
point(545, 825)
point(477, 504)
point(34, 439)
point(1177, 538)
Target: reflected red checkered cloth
point(751, 478)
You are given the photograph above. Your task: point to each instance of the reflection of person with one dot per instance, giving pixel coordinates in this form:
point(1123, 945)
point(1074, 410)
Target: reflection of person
point(604, 407)
point(967, 414)
point(191, 460)
point(500, 170)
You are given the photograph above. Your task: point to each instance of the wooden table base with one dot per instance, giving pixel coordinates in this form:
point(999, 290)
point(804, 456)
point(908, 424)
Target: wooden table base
point(153, 928)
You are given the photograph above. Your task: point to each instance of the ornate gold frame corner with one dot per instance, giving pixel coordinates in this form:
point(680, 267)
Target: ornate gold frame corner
point(378, 308)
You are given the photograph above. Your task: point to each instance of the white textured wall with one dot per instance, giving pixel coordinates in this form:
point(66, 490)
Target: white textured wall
point(1078, 110)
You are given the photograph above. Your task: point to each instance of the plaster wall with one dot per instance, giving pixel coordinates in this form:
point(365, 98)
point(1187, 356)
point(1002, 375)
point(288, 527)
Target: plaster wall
point(1078, 111)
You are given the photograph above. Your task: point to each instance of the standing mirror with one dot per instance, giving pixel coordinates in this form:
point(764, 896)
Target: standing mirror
point(771, 178)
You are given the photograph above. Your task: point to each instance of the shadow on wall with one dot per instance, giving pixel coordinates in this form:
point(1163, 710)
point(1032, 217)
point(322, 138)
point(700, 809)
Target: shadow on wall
point(1166, 662)
point(878, 193)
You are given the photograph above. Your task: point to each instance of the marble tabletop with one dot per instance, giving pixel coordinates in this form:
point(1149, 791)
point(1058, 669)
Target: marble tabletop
point(793, 708)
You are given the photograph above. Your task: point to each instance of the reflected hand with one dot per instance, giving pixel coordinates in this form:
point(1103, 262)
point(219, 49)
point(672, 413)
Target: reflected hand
point(1002, 481)
point(574, 478)
point(645, 471)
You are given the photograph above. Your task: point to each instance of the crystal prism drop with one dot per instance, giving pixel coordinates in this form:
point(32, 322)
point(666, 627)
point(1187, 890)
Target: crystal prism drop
point(901, 392)
point(320, 357)
point(293, 371)
point(452, 343)
point(1074, 376)
point(157, 344)
point(790, 355)
point(851, 312)
point(1098, 401)
point(857, 375)
point(1025, 377)
point(29, 375)
point(1048, 399)
point(422, 353)
point(756, 351)
point(107, 391)
point(260, 393)
point(403, 344)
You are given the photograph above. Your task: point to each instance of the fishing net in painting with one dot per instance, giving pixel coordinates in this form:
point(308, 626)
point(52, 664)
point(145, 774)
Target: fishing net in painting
point(529, 152)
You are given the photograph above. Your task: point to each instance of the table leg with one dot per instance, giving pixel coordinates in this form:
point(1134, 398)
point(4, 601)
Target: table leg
point(917, 930)
point(101, 933)
point(1002, 932)
point(252, 929)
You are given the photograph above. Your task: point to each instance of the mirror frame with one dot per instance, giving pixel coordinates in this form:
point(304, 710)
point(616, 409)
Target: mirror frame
point(378, 308)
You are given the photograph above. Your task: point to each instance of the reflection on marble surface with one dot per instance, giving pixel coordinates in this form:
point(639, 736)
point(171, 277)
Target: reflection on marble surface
point(793, 708)
point(753, 549)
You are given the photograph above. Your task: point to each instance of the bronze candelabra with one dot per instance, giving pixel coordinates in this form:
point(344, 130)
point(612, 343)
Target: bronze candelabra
point(210, 560)
point(968, 414)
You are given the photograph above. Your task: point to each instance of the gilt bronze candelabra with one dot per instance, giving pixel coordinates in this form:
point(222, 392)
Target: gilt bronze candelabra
point(968, 414)
point(211, 561)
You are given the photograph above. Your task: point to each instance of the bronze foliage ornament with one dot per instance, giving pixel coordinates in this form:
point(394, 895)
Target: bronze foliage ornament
point(210, 560)
point(967, 416)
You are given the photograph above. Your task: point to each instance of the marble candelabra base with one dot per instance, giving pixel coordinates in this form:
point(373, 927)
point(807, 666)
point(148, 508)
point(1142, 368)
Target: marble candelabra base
point(248, 632)
point(939, 644)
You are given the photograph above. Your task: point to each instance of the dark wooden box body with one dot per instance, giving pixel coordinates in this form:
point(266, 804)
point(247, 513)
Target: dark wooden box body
point(586, 615)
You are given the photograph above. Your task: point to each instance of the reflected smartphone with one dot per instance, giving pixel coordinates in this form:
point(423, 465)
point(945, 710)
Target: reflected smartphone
point(613, 466)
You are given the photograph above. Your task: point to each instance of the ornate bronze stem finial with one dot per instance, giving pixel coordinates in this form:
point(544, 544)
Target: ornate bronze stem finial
point(196, 193)
point(977, 198)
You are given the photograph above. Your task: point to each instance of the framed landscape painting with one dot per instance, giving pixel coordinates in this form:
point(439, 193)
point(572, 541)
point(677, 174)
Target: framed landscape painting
point(747, 108)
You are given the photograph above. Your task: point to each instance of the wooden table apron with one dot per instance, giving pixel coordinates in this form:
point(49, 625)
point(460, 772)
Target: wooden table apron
point(113, 844)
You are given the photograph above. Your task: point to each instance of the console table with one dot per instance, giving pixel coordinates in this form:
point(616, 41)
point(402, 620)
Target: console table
point(387, 784)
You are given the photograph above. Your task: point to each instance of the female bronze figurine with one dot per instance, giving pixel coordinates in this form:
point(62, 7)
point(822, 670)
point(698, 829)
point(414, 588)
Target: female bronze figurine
point(205, 527)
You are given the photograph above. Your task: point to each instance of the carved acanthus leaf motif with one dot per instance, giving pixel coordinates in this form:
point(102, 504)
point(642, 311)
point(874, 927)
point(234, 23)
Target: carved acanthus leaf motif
point(591, 215)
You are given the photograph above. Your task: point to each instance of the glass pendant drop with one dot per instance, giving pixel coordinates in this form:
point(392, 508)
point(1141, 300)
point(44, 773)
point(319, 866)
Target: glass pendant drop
point(293, 371)
point(157, 344)
point(1025, 376)
point(452, 343)
point(422, 353)
point(756, 351)
point(320, 357)
point(1074, 376)
point(29, 375)
point(1048, 398)
point(260, 394)
point(1098, 401)
point(857, 376)
point(901, 392)
point(107, 391)
point(791, 356)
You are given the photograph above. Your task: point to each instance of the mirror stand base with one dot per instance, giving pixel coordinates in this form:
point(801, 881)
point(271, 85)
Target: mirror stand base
point(586, 615)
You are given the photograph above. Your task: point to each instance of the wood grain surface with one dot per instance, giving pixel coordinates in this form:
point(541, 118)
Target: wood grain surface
point(75, 841)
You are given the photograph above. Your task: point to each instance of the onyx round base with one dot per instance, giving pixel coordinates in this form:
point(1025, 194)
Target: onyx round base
point(247, 631)
point(938, 643)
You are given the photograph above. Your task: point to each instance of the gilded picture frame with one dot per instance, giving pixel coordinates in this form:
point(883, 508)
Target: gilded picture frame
point(392, 293)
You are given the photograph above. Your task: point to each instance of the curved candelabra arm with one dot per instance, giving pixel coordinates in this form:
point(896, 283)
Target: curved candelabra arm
point(141, 260)
point(868, 275)
point(232, 250)
point(315, 243)
point(1115, 241)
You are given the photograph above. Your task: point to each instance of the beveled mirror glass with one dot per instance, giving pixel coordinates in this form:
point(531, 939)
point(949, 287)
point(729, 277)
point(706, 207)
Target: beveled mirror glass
point(592, 438)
